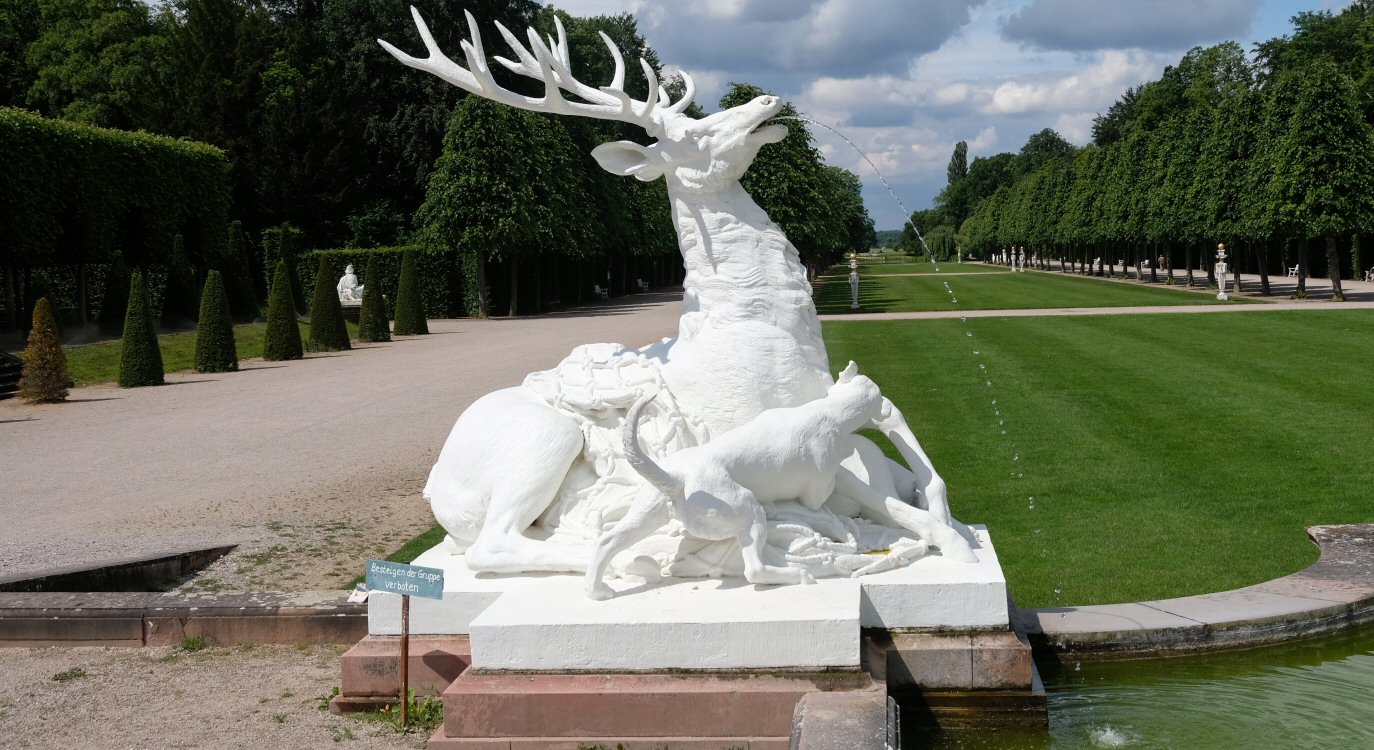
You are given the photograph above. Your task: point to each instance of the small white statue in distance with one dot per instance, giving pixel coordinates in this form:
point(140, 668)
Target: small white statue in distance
point(718, 490)
point(528, 475)
point(350, 291)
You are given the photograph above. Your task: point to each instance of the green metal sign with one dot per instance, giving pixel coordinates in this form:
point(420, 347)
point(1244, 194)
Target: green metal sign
point(409, 580)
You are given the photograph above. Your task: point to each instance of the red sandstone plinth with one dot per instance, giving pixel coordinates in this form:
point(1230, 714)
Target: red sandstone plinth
point(694, 711)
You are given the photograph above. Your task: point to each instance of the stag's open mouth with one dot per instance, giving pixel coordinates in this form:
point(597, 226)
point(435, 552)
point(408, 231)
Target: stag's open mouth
point(771, 131)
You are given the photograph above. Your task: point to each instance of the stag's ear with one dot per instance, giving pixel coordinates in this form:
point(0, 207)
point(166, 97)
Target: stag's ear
point(849, 373)
point(627, 158)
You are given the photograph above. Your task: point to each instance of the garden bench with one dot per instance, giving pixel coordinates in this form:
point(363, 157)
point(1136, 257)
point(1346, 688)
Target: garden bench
point(598, 291)
point(642, 284)
point(1293, 272)
point(1369, 275)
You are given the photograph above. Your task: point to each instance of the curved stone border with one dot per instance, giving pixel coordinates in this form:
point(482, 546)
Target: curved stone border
point(1335, 593)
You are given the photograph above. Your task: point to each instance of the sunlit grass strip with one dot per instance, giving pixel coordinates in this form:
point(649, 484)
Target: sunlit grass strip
point(92, 364)
point(1168, 455)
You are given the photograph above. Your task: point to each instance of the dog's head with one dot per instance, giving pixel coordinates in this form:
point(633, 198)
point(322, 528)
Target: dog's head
point(861, 391)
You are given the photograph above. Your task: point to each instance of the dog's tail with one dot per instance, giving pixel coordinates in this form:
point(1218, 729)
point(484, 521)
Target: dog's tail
point(639, 460)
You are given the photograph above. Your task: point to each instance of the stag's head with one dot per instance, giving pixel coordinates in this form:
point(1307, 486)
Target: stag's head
point(694, 155)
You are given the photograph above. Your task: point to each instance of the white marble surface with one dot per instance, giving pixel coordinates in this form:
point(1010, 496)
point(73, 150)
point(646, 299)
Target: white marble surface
point(680, 624)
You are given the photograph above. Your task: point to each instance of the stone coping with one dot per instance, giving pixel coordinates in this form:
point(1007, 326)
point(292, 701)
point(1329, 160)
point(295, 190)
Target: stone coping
point(150, 618)
point(1335, 593)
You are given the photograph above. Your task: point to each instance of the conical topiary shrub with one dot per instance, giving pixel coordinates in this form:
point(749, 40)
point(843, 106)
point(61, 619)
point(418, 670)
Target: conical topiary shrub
point(215, 347)
point(179, 303)
point(327, 330)
point(372, 324)
point(238, 279)
point(283, 335)
point(410, 308)
point(45, 379)
point(287, 248)
point(140, 359)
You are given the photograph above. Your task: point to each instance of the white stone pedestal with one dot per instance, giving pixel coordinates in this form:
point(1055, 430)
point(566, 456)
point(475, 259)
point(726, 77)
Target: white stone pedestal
point(547, 623)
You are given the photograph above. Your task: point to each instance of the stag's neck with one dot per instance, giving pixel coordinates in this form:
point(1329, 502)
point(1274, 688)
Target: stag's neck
point(740, 265)
point(748, 339)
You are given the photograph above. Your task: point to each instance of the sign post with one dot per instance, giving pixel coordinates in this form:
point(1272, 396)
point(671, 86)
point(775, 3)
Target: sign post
point(408, 581)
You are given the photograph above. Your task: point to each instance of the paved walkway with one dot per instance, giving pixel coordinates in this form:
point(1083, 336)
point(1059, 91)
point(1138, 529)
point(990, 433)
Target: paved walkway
point(213, 459)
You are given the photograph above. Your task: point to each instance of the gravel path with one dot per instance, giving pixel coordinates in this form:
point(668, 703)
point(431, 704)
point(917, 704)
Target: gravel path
point(244, 698)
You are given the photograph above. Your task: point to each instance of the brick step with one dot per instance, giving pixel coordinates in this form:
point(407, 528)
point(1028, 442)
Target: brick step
point(372, 673)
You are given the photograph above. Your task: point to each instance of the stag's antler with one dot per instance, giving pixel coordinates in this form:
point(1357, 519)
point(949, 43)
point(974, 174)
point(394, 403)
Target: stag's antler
point(547, 62)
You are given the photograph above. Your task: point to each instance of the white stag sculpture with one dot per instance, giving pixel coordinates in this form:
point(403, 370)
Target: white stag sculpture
point(531, 476)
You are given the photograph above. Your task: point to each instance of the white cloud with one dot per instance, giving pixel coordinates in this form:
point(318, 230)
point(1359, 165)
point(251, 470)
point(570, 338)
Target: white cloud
point(1076, 127)
point(1094, 86)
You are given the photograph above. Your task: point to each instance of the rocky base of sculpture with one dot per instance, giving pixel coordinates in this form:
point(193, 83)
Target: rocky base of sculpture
point(700, 663)
point(931, 593)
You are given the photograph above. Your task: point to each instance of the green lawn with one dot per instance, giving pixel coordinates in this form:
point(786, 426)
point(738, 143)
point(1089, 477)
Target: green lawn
point(91, 364)
point(1167, 455)
point(995, 291)
point(918, 267)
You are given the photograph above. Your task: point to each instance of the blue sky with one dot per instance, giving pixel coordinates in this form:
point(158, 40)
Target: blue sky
point(907, 79)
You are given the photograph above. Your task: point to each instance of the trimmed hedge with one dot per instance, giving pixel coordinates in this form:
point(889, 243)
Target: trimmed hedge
point(327, 330)
point(216, 350)
point(439, 275)
point(72, 193)
point(283, 336)
point(45, 379)
point(140, 359)
point(372, 320)
point(410, 314)
point(114, 298)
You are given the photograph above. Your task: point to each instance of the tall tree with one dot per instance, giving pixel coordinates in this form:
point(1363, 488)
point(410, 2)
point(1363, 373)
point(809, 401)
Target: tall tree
point(1321, 152)
point(102, 62)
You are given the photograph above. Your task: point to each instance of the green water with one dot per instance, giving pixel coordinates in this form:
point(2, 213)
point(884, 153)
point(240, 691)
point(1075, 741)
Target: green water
point(1313, 695)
